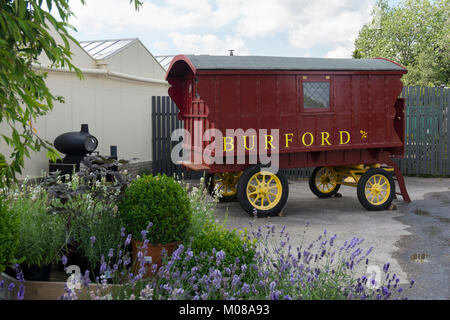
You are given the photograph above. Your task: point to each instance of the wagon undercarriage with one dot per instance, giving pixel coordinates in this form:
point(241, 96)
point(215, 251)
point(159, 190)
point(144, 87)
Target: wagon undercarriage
point(264, 193)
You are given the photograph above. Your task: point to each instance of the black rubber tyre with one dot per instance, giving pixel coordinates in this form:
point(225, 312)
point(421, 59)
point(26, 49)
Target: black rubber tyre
point(315, 190)
point(210, 187)
point(245, 202)
point(364, 183)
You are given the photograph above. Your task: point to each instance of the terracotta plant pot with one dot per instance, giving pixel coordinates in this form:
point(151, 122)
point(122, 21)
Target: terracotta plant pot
point(152, 255)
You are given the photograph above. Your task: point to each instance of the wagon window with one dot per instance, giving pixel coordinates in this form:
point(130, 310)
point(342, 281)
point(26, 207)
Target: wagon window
point(316, 95)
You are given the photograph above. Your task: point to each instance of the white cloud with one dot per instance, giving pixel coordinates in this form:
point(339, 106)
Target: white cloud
point(207, 44)
point(340, 52)
point(100, 15)
point(306, 24)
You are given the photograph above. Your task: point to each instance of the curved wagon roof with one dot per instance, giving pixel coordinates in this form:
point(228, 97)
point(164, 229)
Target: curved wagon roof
point(264, 63)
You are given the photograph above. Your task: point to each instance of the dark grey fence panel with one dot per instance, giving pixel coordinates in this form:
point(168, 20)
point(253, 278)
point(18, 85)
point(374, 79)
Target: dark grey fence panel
point(427, 131)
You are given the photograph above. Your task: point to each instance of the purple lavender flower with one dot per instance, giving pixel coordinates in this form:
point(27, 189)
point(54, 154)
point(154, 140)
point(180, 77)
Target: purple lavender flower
point(272, 285)
point(275, 295)
point(92, 239)
point(11, 286)
point(111, 253)
point(128, 240)
point(236, 280)
point(189, 254)
point(21, 293)
point(103, 267)
point(122, 232)
point(220, 255)
point(64, 260)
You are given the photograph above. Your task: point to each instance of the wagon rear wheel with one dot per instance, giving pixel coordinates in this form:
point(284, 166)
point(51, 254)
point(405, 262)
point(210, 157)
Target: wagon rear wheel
point(376, 189)
point(223, 183)
point(324, 182)
point(262, 192)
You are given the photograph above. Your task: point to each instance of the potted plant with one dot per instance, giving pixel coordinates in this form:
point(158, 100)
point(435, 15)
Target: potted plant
point(97, 233)
point(87, 202)
point(162, 202)
point(42, 235)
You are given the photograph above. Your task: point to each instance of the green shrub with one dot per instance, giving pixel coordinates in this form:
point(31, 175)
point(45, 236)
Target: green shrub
point(42, 235)
point(9, 236)
point(236, 245)
point(159, 200)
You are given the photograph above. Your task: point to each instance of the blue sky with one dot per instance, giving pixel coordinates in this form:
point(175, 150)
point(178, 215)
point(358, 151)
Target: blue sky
point(316, 28)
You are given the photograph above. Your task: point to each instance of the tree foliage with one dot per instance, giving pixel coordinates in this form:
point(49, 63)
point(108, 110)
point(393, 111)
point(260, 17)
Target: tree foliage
point(25, 35)
point(415, 33)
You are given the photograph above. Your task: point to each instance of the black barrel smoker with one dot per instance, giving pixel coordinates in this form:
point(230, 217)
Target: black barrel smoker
point(75, 145)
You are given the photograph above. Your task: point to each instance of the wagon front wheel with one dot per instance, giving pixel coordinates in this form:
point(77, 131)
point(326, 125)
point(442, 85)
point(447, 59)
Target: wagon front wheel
point(324, 182)
point(376, 189)
point(262, 192)
point(223, 183)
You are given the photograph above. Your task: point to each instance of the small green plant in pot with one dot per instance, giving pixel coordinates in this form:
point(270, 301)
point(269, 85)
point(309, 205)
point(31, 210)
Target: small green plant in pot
point(161, 201)
point(42, 235)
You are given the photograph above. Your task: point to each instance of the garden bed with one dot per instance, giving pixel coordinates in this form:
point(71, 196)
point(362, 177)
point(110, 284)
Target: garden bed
point(34, 290)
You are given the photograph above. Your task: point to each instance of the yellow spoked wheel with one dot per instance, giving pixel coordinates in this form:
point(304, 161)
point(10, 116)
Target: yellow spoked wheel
point(324, 182)
point(262, 192)
point(376, 189)
point(224, 183)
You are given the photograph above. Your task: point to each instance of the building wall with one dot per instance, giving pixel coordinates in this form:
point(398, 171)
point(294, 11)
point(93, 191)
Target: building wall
point(136, 60)
point(117, 111)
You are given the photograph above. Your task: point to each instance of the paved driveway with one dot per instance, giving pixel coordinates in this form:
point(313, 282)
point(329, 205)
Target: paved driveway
point(420, 227)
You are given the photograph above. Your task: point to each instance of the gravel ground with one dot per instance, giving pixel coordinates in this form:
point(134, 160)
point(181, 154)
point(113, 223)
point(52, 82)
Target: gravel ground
point(414, 238)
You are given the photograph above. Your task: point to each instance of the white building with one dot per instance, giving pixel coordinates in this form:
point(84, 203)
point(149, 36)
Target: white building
point(114, 99)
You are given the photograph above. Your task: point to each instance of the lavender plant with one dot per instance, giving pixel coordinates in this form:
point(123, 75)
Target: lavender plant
point(320, 270)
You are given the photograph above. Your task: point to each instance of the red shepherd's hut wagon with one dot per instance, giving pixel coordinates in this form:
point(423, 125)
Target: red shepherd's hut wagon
point(342, 116)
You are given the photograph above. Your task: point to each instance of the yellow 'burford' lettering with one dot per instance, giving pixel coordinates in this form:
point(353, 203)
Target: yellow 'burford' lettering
point(288, 139)
point(245, 143)
point(325, 137)
point(230, 143)
point(341, 140)
point(303, 139)
point(269, 141)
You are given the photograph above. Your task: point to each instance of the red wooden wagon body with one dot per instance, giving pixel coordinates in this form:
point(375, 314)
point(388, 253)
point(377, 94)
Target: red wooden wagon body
point(332, 113)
